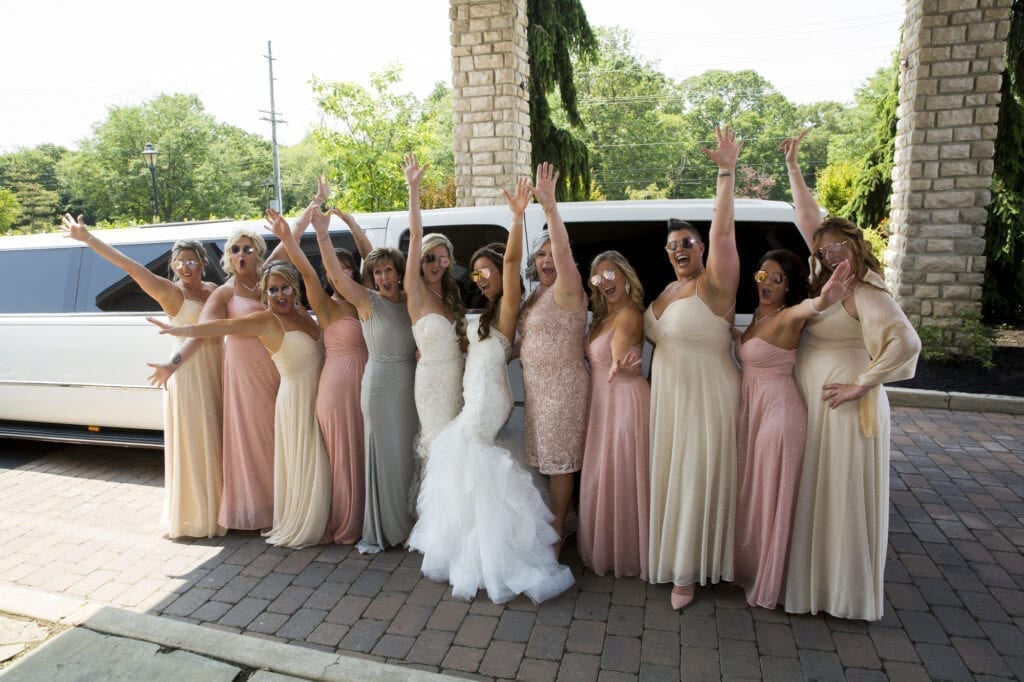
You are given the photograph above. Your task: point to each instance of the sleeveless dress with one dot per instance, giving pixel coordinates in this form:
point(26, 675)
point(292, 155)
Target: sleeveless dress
point(772, 431)
point(556, 384)
point(193, 471)
point(695, 395)
point(389, 422)
point(302, 472)
point(614, 488)
point(482, 522)
point(341, 425)
point(438, 385)
point(840, 526)
point(250, 387)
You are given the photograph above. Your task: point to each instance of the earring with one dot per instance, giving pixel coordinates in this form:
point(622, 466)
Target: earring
point(628, 288)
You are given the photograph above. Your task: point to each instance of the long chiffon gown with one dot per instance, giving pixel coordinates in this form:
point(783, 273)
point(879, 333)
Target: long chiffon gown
point(250, 388)
point(390, 424)
point(193, 471)
point(841, 522)
point(695, 388)
point(438, 384)
point(302, 471)
point(772, 431)
point(614, 487)
point(556, 384)
point(482, 522)
point(341, 425)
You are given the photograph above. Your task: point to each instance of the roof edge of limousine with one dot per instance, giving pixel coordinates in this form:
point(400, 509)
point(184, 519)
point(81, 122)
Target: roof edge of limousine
point(603, 211)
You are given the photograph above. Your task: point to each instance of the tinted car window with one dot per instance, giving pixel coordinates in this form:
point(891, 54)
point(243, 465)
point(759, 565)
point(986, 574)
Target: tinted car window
point(466, 239)
point(39, 280)
point(643, 245)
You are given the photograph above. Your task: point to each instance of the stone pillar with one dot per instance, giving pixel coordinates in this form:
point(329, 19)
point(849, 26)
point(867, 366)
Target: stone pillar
point(951, 63)
point(490, 92)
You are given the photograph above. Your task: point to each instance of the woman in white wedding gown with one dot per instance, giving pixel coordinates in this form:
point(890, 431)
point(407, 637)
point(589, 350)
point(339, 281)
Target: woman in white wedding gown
point(482, 522)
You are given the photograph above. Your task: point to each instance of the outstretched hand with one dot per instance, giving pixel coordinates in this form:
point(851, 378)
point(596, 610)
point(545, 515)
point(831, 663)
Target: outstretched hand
point(790, 146)
point(413, 170)
point(631, 359)
point(518, 202)
point(278, 225)
point(320, 220)
point(162, 372)
point(75, 229)
point(168, 328)
point(547, 184)
point(323, 190)
point(839, 285)
point(728, 150)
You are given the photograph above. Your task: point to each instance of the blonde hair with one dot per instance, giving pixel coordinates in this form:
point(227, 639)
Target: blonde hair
point(195, 247)
point(863, 259)
point(451, 296)
point(285, 271)
point(634, 289)
point(378, 256)
point(257, 242)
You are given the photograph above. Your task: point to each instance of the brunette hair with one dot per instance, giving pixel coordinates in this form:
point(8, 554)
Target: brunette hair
point(347, 261)
point(378, 256)
point(795, 271)
point(494, 252)
point(863, 259)
point(634, 289)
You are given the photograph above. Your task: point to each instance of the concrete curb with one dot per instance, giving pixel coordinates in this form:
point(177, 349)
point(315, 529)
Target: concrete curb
point(952, 400)
point(243, 651)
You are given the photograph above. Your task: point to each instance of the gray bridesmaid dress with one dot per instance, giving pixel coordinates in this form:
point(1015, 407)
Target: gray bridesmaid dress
point(389, 415)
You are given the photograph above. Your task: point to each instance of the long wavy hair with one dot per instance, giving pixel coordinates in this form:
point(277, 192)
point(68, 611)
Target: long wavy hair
point(285, 271)
point(377, 257)
point(863, 259)
point(257, 242)
point(188, 245)
point(451, 296)
point(634, 289)
point(794, 270)
point(494, 252)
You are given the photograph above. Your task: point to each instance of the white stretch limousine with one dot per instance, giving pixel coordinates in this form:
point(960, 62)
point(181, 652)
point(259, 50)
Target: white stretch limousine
point(74, 342)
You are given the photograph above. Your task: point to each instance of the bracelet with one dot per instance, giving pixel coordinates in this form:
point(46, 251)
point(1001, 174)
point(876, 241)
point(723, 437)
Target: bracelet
point(188, 331)
point(549, 208)
point(323, 237)
point(724, 174)
point(795, 171)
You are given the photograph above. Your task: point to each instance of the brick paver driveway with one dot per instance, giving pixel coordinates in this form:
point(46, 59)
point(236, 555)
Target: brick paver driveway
point(84, 521)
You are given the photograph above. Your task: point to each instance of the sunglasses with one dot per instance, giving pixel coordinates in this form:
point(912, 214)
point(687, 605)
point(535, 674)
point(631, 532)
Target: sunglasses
point(763, 276)
point(442, 261)
point(247, 250)
point(834, 247)
point(684, 243)
point(482, 273)
point(179, 264)
point(286, 290)
point(609, 275)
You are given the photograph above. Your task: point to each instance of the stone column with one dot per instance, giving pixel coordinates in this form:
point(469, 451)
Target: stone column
point(490, 91)
point(951, 63)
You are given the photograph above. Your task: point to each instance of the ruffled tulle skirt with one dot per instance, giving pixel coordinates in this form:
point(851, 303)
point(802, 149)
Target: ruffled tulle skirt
point(483, 524)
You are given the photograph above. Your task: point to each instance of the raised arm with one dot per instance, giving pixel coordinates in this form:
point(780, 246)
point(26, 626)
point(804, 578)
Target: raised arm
point(808, 215)
point(723, 264)
point(568, 286)
point(363, 244)
point(349, 289)
point(162, 290)
point(415, 289)
point(318, 298)
point(511, 294)
point(838, 287)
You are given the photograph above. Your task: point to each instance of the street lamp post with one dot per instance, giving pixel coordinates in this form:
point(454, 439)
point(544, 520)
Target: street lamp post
point(149, 154)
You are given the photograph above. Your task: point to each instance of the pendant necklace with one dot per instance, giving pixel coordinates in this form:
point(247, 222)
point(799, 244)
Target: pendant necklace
point(246, 286)
point(758, 320)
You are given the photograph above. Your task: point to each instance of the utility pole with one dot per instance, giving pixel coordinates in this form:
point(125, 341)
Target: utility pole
point(274, 120)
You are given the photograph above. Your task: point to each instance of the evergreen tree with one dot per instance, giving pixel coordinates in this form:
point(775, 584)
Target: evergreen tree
point(558, 30)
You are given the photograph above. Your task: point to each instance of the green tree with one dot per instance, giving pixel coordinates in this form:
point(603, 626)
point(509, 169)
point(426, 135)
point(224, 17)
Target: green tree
point(558, 31)
point(30, 174)
point(1003, 290)
point(204, 169)
point(10, 209)
point(301, 165)
point(367, 132)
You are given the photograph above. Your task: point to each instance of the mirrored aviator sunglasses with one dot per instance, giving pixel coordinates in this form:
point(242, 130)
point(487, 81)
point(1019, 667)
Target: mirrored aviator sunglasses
point(482, 273)
point(609, 275)
point(442, 261)
point(762, 276)
point(684, 243)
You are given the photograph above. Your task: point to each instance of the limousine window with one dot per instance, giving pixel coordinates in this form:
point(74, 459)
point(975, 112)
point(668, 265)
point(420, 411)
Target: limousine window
point(466, 239)
point(643, 245)
point(39, 280)
point(104, 287)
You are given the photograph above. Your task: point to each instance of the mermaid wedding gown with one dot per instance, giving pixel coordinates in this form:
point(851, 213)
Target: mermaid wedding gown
point(482, 522)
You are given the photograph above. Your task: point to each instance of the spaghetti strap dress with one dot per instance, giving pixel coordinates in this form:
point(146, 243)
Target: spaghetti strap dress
point(695, 395)
point(390, 424)
point(193, 470)
point(614, 487)
point(770, 452)
point(302, 472)
point(250, 388)
point(341, 424)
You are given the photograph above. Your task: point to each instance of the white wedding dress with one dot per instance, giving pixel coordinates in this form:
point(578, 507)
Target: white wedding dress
point(482, 522)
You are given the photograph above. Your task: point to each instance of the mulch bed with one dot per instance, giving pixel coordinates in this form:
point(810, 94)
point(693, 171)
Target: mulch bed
point(1006, 378)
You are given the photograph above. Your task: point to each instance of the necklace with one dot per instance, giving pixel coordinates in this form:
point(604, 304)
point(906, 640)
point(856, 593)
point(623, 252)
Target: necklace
point(765, 317)
point(246, 286)
point(436, 293)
